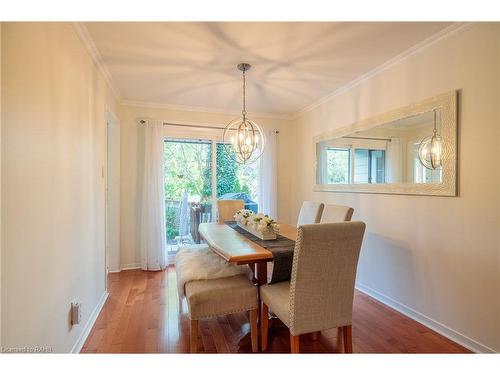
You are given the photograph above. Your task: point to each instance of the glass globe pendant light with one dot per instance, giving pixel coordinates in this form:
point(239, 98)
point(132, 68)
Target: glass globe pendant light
point(430, 150)
point(244, 138)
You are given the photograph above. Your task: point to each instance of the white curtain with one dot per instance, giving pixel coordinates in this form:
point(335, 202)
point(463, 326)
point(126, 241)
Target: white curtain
point(268, 181)
point(322, 167)
point(153, 241)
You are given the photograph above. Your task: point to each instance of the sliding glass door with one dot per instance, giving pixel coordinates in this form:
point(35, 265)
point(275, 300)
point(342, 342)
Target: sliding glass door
point(188, 188)
point(234, 180)
point(198, 172)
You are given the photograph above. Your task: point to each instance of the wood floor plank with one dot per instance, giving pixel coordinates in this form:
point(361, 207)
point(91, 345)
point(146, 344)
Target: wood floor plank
point(143, 315)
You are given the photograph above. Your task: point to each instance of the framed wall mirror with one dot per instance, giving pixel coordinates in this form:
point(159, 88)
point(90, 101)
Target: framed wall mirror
point(410, 150)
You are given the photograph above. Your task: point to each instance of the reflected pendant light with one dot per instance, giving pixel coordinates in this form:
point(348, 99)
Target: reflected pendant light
point(430, 150)
point(243, 137)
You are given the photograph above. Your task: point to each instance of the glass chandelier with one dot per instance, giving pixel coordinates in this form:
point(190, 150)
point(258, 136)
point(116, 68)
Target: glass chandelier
point(243, 137)
point(430, 149)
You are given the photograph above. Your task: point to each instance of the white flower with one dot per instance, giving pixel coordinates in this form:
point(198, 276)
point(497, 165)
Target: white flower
point(258, 221)
point(262, 227)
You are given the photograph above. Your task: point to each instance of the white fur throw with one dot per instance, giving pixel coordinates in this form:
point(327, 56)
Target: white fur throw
point(199, 262)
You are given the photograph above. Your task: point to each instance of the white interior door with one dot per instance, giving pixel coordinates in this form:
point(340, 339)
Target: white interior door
point(112, 182)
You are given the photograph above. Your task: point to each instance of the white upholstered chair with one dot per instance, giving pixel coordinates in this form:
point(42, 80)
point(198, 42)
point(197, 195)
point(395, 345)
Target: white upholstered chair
point(227, 208)
point(333, 213)
point(320, 294)
point(310, 213)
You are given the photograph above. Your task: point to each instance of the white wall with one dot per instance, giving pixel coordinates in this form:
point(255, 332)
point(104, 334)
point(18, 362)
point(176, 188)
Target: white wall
point(435, 257)
point(131, 165)
point(0, 184)
point(54, 103)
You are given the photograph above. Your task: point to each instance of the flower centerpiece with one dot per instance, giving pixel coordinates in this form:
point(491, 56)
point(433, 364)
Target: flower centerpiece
point(259, 225)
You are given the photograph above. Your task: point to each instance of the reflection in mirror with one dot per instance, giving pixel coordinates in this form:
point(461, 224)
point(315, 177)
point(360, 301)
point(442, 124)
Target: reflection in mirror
point(385, 154)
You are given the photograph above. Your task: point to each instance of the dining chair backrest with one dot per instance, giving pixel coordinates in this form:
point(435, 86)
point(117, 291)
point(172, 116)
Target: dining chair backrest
point(310, 213)
point(227, 208)
point(323, 274)
point(334, 213)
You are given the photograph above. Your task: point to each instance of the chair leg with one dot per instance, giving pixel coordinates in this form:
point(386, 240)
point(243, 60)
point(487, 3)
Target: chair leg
point(264, 325)
point(340, 342)
point(315, 336)
point(254, 333)
point(294, 344)
point(193, 339)
point(347, 330)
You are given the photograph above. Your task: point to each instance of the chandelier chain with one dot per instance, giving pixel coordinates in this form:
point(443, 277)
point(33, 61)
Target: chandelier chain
point(244, 112)
point(435, 120)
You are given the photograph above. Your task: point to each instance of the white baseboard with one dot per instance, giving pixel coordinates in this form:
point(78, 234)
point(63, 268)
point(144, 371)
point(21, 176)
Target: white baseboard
point(125, 267)
point(129, 266)
point(90, 323)
point(426, 321)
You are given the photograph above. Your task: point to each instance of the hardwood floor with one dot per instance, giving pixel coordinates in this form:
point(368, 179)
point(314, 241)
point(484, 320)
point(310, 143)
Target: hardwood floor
point(142, 315)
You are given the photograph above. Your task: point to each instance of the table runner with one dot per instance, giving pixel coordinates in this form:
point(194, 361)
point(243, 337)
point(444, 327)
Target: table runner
point(281, 247)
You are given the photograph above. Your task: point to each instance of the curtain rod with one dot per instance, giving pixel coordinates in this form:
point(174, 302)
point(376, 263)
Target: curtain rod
point(370, 138)
point(142, 122)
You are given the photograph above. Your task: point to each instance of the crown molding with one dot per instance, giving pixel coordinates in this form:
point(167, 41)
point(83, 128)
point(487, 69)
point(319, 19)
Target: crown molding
point(444, 33)
point(85, 37)
point(187, 108)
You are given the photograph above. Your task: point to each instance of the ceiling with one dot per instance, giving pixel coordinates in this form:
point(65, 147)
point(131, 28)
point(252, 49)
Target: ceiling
point(294, 64)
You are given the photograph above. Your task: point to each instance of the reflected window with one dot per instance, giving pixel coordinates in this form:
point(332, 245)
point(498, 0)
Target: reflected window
point(369, 166)
point(338, 165)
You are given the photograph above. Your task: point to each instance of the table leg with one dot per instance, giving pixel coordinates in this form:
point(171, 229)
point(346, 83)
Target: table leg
point(261, 273)
point(252, 268)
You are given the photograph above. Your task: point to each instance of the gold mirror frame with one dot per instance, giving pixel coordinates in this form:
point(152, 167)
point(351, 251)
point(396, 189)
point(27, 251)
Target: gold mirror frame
point(447, 103)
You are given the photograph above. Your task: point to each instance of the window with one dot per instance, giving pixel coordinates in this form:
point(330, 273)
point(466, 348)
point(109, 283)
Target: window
point(342, 163)
point(338, 165)
point(369, 166)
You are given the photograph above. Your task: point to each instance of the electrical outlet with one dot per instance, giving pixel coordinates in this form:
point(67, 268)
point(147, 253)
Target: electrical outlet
point(76, 313)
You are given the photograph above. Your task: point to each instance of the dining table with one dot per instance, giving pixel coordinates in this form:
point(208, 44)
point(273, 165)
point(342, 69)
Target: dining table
point(237, 249)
